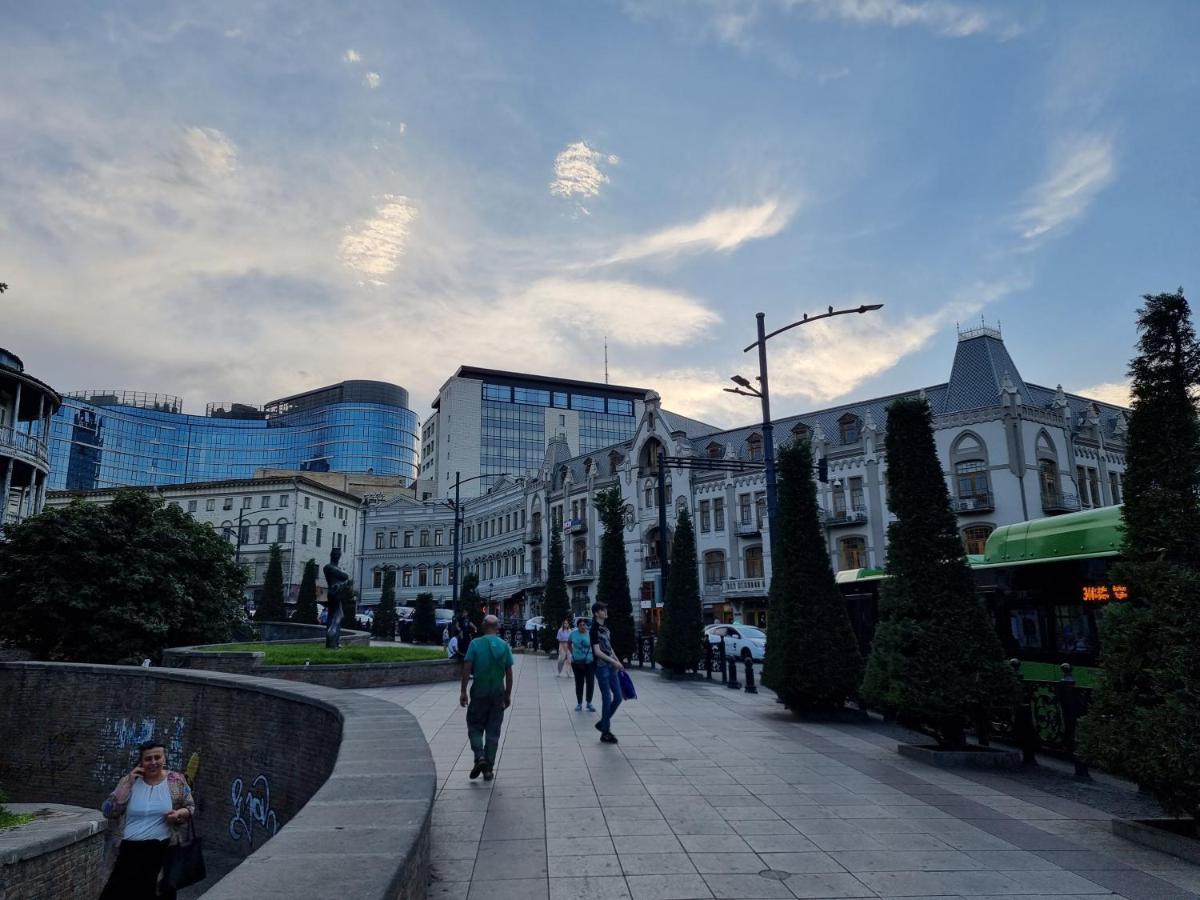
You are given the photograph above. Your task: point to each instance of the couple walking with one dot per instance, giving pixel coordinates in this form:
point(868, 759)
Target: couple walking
point(487, 668)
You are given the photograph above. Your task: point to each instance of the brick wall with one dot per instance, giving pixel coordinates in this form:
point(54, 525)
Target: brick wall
point(59, 854)
point(368, 675)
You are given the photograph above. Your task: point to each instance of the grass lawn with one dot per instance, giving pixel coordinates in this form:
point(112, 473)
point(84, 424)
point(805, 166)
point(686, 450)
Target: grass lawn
point(299, 654)
point(12, 819)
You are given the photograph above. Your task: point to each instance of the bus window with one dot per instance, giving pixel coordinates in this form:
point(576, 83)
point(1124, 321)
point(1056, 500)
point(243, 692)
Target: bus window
point(1074, 629)
point(1026, 629)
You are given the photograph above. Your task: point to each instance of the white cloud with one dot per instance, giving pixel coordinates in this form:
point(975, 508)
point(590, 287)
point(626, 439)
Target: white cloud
point(720, 230)
point(371, 80)
point(375, 247)
point(352, 56)
point(210, 150)
point(577, 171)
point(945, 19)
point(1080, 170)
point(1114, 392)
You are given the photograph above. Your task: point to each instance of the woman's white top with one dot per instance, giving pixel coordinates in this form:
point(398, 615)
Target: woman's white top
point(564, 635)
point(145, 814)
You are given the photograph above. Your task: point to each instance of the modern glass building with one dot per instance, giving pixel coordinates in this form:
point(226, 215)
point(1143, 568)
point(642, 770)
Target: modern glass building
point(103, 439)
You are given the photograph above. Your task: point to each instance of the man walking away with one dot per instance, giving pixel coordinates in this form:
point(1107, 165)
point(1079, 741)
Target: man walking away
point(490, 660)
point(607, 667)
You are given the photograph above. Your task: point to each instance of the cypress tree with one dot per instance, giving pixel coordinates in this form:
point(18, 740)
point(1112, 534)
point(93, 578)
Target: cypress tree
point(424, 627)
point(1144, 718)
point(556, 606)
point(812, 663)
point(681, 639)
point(306, 600)
point(612, 588)
point(470, 602)
point(383, 626)
point(935, 658)
point(350, 607)
point(272, 607)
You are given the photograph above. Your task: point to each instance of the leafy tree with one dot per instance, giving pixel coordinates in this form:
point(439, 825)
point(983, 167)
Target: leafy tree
point(272, 607)
point(556, 606)
point(470, 601)
point(424, 627)
point(1144, 718)
point(612, 588)
point(812, 663)
point(935, 659)
point(384, 624)
point(116, 583)
point(306, 600)
point(681, 639)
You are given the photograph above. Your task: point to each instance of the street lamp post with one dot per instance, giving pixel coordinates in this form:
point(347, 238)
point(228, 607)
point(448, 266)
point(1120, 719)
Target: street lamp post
point(763, 393)
point(457, 507)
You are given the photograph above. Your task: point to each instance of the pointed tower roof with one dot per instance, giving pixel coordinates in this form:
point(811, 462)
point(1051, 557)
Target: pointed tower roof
point(982, 370)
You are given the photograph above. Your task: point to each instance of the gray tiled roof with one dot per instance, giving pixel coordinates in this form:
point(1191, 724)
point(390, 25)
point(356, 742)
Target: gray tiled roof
point(981, 364)
point(692, 427)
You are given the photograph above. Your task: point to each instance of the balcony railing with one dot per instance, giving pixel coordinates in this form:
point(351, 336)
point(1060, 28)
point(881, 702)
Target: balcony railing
point(972, 503)
point(749, 529)
point(581, 570)
point(575, 526)
point(533, 536)
point(25, 444)
point(744, 587)
point(842, 517)
point(1059, 502)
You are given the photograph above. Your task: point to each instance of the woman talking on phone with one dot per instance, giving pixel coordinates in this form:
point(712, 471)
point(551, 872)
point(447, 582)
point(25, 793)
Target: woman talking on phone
point(152, 805)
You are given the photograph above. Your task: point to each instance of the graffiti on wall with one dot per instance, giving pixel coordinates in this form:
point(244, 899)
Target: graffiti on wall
point(119, 740)
point(252, 809)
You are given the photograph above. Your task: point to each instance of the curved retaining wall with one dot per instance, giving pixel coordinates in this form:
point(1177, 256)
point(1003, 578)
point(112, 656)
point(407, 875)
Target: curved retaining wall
point(59, 854)
point(289, 776)
point(301, 633)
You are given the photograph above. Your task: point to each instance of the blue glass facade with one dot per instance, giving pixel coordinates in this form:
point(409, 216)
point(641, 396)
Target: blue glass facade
point(110, 440)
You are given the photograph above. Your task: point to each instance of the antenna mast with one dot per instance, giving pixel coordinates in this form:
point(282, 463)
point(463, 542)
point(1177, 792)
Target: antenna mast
point(606, 359)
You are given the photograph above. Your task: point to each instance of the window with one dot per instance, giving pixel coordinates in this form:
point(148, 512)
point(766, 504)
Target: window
point(377, 579)
point(244, 534)
point(760, 508)
point(743, 509)
point(283, 501)
point(437, 538)
point(192, 504)
point(246, 501)
point(281, 532)
point(850, 428)
point(975, 539)
point(1026, 626)
point(1074, 629)
point(754, 562)
point(856, 495)
point(853, 553)
point(424, 537)
point(437, 575)
point(801, 432)
point(714, 567)
point(304, 534)
point(306, 502)
point(379, 540)
point(265, 503)
point(320, 508)
point(468, 539)
point(649, 495)
point(562, 421)
point(262, 532)
point(1048, 478)
point(393, 539)
point(318, 537)
point(422, 577)
point(227, 503)
point(839, 499)
point(754, 447)
point(719, 514)
point(971, 479)
point(667, 493)
point(406, 578)
point(408, 536)
point(1082, 482)
point(715, 450)
point(210, 504)
point(705, 516)
point(1094, 485)
point(1114, 482)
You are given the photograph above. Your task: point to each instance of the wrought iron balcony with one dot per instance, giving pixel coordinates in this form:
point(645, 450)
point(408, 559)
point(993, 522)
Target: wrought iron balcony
point(981, 501)
point(581, 571)
point(1058, 502)
point(744, 587)
point(533, 536)
point(843, 518)
point(749, 529)
point(23, 444)
point(575, 526)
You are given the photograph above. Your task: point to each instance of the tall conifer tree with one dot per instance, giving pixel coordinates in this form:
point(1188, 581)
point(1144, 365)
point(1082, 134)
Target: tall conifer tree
point(812, 663)
point(306, 600)
point(681, 639)
point(272, 607)
point(612, 588)
point(935, 657)
point(1144, 719)
point(556, 605)
point(469, 600)
point(424, 627)
point(383, 625)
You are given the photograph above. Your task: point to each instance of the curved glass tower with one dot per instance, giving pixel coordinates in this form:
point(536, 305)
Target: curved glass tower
point(103, 439)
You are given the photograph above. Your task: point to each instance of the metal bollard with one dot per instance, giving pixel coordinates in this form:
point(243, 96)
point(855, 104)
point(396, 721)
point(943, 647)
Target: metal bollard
point(750, 688)
point(641, 660)
point(733, 678)
point(721, 661)
point(1023, 720)
point(708, 661)
point(1069, 700)
point(651, 640)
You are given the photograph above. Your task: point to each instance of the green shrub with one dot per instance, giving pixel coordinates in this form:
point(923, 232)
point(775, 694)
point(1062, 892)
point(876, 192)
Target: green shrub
point(680, 644)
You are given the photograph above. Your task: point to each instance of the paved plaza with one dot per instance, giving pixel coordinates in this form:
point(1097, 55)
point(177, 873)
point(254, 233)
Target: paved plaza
point(714, 793)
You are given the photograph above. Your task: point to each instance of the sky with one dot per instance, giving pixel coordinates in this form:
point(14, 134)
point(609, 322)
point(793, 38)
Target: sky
point(240, 201)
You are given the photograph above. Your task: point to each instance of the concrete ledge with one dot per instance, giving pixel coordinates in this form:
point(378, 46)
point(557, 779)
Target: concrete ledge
point(368, 675)
point(1145, 832)
point(303, 633)
point(330, 758)
point(54, 826)
point(59, 854)
point(975, 758)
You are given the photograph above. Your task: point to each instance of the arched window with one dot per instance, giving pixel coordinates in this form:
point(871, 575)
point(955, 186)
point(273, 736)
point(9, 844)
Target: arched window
point(579, 555)
point(281, 531)
point(853, 553)
point(263, 527)
point(425, 537)
point(649, 495)
point(648, 461)
point(714, 567)
point(422, 576)
point(975, 539)
point(437, 575)
point(651, 553)
point(850, 428)
point(406, 577)
point(754, 447)
point(1048, 478)
point(377, 578)
point(667, 491)
point(754, 562)
point(972, 482)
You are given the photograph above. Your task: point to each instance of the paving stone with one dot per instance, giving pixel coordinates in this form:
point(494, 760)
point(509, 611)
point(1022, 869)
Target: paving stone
point(827, 885)
point(746, 887)
point(579, 866)
point(668, 887)
point(656, 863)
point(727, 863)
point(588, 888)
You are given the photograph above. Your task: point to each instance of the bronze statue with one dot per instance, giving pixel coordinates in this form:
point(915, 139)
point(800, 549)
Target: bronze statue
point(337, 583)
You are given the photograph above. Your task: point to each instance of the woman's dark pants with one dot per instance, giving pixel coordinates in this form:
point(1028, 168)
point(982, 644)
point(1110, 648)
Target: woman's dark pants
point(584, 672)
point(135, 875)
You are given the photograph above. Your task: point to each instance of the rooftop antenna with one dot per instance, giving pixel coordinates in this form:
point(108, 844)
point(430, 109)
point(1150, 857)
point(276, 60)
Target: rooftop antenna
point(606, 359)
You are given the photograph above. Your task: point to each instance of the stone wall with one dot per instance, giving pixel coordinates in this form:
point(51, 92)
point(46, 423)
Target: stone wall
point(59, 854)
point(368, 675)
point(300, 633)
point(269, 755)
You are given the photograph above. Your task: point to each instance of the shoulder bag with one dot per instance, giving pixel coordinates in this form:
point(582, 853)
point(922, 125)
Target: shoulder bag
point(184, 862)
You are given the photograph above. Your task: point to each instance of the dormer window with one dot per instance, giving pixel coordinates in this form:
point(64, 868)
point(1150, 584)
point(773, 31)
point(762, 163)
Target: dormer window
point(850, 428)
point(801, 432)
point(715, 450)
point(754, 447)
point(614, 461)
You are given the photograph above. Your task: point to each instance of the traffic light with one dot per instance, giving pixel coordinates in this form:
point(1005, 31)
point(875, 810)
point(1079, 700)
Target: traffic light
point(823, 470)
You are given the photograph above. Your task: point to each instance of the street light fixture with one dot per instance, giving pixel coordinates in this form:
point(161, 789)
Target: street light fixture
point(457, 507)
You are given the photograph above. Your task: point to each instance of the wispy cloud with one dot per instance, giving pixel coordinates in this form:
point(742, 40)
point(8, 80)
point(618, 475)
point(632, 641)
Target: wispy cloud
point(1080, 170)
point(372, 80)
point(578, 172)
point(946, 19)
point(1114, 392)
point(721, 230)
point(352, 56)
point(375, 247)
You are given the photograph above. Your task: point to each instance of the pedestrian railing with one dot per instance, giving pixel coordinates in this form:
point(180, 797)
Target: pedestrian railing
point(1044, 721)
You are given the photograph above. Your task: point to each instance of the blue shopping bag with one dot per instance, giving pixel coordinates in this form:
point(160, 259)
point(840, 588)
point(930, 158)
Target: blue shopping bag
point(627, 690)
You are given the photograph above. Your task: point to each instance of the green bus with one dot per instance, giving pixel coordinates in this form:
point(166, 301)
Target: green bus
point(1046, 584)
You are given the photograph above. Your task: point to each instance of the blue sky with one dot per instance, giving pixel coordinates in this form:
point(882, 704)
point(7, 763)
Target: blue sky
point(236, 201)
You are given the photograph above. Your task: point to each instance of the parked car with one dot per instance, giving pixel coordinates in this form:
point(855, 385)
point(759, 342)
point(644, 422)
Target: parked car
point(744, 641)
point(404, 613)
point(534, 624)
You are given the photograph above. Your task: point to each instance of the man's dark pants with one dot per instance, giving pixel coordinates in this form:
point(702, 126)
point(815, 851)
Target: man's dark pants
point(485, 715)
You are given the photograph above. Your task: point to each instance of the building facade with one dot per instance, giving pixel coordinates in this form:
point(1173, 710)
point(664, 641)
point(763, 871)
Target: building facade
point(305, 518)
point(27, 407)
point(106, 439)
point(1012, 451)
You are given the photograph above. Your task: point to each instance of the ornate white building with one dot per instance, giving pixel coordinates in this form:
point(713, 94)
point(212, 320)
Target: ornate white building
point(1011, 450)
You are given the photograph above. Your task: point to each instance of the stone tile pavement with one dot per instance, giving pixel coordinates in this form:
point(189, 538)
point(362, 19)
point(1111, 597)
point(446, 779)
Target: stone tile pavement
point(713, 793)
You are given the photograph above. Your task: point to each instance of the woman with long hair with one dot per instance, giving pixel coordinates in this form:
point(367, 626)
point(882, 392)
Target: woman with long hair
point(564, 645)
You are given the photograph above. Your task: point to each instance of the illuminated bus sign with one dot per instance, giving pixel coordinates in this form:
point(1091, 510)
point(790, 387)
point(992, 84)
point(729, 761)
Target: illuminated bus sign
point(1103, 593)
